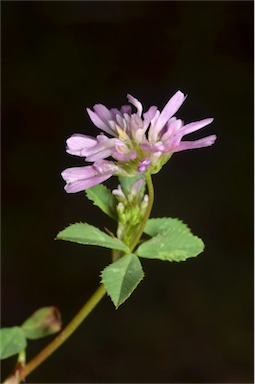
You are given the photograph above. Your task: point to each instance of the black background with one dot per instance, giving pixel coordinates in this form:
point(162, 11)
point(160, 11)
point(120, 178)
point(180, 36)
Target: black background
point(188, 322)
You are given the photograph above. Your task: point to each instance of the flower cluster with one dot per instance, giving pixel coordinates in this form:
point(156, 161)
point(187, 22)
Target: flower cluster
point(137, 143)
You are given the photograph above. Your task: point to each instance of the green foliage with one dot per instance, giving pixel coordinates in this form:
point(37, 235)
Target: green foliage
point(155, 226)
point(122, 277)
point(104, 199)
point(172, 241)
point(13, 341)
point(43, 322)
point(86, 234)
point(127, 182)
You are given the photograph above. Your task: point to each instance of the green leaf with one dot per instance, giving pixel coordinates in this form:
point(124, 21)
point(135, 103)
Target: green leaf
point(122, 277)
point(43, 322)
point(127, 182)
point(86, 234)
point(155, 226)
point(104, 199)
point(172, 241)
point(13, 341)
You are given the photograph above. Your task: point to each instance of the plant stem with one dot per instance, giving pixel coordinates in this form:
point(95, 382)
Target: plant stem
point(89, 306)
point(67, 331)
point(147, 213)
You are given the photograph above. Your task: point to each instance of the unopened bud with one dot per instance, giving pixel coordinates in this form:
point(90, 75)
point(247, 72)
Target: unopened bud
point(121, 213)
point(43, 322)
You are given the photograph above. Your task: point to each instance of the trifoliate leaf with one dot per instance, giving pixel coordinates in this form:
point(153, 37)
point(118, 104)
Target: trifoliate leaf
point(104, 199)
point(127, 182)
point(173, 241)
point(86, 234)
point(122, 277)
point(12, 341)
point(43, 322)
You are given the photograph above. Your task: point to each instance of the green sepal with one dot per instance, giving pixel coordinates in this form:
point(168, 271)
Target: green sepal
point(13, 341)
point(43, 322)
point(127, 182)
point(122, 277)
point(172, 241)
point(86, 234)
point(104, 199)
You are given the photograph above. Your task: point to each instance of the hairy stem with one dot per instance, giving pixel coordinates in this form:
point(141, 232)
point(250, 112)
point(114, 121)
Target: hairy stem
point(67, 331)
point(147, 213)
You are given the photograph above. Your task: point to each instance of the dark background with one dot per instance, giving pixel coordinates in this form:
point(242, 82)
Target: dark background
point(188, 322)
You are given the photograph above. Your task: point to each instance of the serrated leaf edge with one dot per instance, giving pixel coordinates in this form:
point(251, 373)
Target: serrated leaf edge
point(98, 245)
point(102, 281)
point(163, 218)
point(111, 214)
point(164, 232)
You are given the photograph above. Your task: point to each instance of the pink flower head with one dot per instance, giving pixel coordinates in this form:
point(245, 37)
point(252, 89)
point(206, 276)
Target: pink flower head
point(138, 143)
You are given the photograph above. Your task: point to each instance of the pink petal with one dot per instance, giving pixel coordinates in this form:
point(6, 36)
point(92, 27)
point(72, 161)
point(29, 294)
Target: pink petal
point(78, 144)
point(114, 112)
point(153, 147)
point(173, 126)
point(124, 156)
point(205, 142)
point(78, 173)
point(148, 116)
point(139, 133)
point(80, 178)
point(103, 112)
point(168, 111)
point(126, 109)
point(78, 186)
point(143, 165)
point(106, 166)
point(100, 155)
point(101, 150)
point(192, 127)
point(120, 121)
point(99, 123)
point(136, 103)
point(151, 135)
